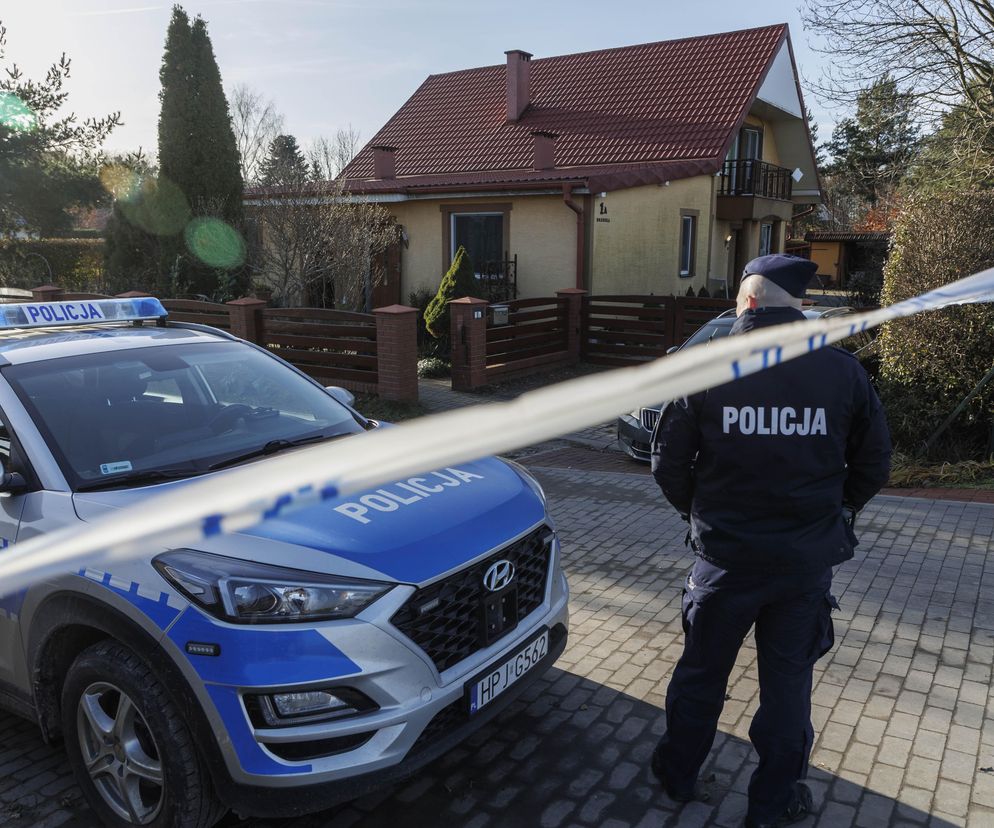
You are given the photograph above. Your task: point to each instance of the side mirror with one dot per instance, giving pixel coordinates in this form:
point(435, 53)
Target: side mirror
point(672, 349)
point(343, 395)
point(11, 482)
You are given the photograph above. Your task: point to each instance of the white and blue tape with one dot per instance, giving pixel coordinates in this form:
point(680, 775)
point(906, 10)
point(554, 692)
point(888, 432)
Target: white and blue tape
point(249, 495)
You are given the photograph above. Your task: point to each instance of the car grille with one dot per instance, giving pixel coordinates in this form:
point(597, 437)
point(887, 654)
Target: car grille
point(455, 715)
point(648, 418)
point(446, 618)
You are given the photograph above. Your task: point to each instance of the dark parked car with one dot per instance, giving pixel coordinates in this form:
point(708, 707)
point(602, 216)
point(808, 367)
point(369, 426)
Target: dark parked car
point(635, 429)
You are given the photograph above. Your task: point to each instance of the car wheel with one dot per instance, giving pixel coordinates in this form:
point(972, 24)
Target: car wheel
point(129, 747)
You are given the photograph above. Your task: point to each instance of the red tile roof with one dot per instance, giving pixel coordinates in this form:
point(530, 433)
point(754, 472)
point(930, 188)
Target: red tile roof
point(629, 112)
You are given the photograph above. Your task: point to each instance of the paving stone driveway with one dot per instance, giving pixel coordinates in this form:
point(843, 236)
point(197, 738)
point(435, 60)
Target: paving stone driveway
point(902, 711)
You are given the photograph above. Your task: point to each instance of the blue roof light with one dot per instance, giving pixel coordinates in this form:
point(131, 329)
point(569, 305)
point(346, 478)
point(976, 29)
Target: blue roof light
point(83, 312)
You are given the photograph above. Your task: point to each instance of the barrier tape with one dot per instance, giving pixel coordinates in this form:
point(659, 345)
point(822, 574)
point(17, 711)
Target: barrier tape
point(251, 494)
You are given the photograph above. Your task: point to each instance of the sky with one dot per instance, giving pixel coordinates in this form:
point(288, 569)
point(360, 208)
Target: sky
point(330, 63)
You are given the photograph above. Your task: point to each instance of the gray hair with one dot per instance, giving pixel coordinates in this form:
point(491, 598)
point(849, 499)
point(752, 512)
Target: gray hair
point(766, 293)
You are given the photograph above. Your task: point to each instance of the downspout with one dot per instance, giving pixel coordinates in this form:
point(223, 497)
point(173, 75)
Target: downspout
point(576, 208)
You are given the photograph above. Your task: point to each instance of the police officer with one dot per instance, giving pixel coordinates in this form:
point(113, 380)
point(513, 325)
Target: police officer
point(770, 471)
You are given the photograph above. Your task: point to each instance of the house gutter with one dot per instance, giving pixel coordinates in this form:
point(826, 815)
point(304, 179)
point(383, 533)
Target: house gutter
point(576, 208)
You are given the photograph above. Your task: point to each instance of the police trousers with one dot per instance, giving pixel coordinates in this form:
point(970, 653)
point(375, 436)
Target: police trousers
point(792, 616)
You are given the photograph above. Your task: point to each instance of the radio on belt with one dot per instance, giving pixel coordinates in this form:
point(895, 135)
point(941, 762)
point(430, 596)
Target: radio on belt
point(83, 312)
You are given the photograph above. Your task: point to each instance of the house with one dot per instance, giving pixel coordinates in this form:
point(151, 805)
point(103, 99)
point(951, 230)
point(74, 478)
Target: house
point(643, 169)
point(843, 255)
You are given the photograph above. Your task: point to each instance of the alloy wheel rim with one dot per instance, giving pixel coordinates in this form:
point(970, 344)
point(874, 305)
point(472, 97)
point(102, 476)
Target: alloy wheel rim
point(121, 757)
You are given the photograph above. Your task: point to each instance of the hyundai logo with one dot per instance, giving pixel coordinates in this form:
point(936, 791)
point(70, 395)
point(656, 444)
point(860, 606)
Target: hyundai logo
point(498, 576)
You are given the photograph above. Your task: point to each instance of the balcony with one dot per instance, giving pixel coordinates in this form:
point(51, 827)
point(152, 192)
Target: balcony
point(752, 190)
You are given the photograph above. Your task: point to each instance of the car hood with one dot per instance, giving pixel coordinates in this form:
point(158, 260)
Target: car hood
point(410, 531)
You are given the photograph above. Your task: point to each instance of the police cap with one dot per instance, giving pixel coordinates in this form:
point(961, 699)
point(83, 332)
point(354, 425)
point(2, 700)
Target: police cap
point(792, 273)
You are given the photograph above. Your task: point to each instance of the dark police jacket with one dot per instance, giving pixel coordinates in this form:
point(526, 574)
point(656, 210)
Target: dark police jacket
point(763, 465)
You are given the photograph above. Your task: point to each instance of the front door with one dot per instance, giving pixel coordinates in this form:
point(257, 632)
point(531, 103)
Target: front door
point(11, 507)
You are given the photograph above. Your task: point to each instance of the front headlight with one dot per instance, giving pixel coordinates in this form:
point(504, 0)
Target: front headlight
point(244, 592)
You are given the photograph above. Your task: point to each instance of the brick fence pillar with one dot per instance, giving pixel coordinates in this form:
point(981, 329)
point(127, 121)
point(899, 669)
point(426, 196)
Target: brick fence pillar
point(574, 316)
point(46, 293)
point(397, 352)
point(246, 319)
point(469, 343)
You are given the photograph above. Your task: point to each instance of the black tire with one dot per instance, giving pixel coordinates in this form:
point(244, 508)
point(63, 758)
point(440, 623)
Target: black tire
point(118, 718)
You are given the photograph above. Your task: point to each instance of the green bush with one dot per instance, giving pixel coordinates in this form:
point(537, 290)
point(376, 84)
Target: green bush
point(459, 281)
point(433, 367)
point(931, 361)
point(76, 264)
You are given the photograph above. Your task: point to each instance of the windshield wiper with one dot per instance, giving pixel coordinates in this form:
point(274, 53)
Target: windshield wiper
point(273, 447)
point(138, 478)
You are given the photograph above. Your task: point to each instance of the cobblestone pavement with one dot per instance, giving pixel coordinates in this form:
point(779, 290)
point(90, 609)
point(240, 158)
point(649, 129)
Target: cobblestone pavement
point(905, 726)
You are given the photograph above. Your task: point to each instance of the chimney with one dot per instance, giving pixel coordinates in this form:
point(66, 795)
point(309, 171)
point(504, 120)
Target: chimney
point(544, 149)
point(384, 161)
point(517, 83)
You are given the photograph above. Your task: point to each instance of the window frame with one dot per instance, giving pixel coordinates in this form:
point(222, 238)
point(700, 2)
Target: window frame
point(480, 208)
point(763, 226)
point(692, 216)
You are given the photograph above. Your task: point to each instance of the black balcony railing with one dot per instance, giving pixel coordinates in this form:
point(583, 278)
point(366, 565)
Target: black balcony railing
point(749, 177)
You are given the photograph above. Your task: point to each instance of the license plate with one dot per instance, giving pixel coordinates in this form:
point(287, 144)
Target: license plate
point(496, 679)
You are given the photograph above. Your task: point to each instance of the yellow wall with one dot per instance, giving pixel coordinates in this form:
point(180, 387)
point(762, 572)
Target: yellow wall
point(638, 249)
point(542, 233)
point(770, 153)
point(421, 258)
point(828, 256)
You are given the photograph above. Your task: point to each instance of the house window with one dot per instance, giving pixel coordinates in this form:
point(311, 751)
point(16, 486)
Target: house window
point(484, 229)
point(688, 241)
point(765, 239)
point(751, 144)
point(482, 234)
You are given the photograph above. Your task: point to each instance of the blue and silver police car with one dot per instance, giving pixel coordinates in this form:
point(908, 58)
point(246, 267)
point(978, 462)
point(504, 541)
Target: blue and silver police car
point(278, 670)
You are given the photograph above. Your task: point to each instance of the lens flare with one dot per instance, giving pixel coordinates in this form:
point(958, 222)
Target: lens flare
point(158, 206)
point(215, 243)
point(16, 115)
point(120, 181)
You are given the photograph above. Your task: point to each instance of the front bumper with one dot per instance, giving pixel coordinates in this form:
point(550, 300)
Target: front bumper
point(421, 712)
point(634, 439)
point(449, 726)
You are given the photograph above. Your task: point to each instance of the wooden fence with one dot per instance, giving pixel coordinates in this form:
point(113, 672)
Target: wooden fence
point(534, 336)
point(335, 347)
point(365, 352)
point(202, 313)
point(622, 330)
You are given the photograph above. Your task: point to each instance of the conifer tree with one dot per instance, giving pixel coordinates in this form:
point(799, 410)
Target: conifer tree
point(197, 148)
point(459, 281)
point(284, 165)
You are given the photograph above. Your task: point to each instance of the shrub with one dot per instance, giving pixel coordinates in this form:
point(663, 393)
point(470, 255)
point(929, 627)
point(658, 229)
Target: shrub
point(76, 264)
point(703, 293)
point(459, 281)
point(433, 367)
point(931, 361)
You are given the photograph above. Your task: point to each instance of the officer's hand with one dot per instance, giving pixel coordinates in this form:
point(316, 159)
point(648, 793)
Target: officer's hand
point(849, 516)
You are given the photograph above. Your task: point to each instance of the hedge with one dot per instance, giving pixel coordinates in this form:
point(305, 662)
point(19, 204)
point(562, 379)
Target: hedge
point(931, 361)
point(76, 264)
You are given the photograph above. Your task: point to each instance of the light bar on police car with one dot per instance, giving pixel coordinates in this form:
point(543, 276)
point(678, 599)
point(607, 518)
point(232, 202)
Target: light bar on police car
point(82, 312)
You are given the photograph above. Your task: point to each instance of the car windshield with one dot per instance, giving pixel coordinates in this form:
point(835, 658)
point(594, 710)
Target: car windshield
point(706, 333)
point(152, 413)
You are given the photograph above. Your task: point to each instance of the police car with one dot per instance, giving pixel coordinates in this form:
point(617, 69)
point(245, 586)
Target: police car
point(275, 671)
point(635, 429)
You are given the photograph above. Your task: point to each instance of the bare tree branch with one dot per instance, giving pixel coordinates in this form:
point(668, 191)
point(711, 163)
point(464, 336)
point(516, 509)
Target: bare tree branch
point(940, 50)
point(256, 123)
point(328, 157)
